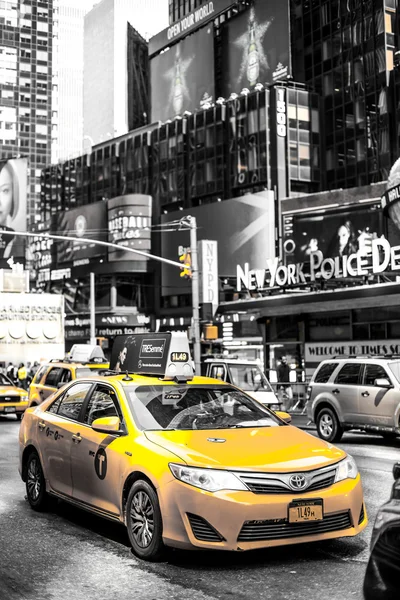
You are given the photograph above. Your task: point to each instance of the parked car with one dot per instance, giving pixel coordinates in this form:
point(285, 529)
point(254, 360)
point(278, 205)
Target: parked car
point(355, 393)
point(83, 360)
point(382, 577)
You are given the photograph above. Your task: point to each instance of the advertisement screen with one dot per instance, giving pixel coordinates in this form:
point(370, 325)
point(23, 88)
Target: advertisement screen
point(13, 194)
point(86, 222)
point(243, 227)
point(129, 225)
point(182, 78)
point(256, 47)
point(334, 233)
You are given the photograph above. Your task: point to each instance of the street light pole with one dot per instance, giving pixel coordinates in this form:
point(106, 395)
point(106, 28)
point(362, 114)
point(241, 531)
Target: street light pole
point(92, 310)
point(195, 295)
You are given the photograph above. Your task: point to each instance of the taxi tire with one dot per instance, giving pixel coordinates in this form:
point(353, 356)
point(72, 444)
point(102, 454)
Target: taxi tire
point(43, 501)
point(337, 429)
point(156, 549)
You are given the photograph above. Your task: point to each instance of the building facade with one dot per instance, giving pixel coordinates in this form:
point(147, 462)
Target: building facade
point(26, 47)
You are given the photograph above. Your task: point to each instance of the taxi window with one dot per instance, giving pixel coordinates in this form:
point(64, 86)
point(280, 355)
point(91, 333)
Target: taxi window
point(102, 403)
point(66, 376)
point(196, 407)
point(71, 402)
point(249, 377)
point(52, 377)
point(87, 371)
point(40, 373)
point(4, 380)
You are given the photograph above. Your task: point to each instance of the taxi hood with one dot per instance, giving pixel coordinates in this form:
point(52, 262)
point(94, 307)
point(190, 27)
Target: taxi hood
point(283, 448)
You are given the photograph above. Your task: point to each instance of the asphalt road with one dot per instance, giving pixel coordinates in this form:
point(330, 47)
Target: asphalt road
point(72, 555)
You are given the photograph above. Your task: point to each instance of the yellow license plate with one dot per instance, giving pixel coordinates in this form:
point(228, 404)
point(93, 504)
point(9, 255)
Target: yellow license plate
point(305, 511)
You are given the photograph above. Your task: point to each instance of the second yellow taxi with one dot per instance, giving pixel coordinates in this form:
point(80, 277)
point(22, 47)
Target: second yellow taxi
point(184, 461)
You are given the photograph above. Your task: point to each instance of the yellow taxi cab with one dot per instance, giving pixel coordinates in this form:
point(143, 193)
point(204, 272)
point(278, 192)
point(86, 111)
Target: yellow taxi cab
point(184, 461)
point(13, 399)
point(82, 360)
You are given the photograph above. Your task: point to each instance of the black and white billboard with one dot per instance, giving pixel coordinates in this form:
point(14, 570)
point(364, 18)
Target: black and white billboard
point(182, 78)
point(129, 226)
point(337, 232)
point(84, 224)
point(256, 47)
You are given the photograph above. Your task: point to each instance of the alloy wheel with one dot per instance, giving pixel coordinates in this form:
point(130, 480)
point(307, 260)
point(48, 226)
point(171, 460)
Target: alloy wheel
point(34, 479)
point(142, 519)
point(326, 425)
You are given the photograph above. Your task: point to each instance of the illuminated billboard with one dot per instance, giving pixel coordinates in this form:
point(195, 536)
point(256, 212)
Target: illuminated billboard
point(85, 223)
point(338, 232)
point(182, 78)
point(256, 47)
point(129, 226)
point(13, 194)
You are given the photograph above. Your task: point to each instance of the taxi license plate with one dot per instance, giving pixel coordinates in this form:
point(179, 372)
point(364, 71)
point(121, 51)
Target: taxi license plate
point(9, 409)
point(302, 511)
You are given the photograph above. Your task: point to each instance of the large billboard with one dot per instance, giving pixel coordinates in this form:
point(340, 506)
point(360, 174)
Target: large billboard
point(85, 223)
point(129, 226)
point(256, 47)
point(182, 78)
point(334, 232)
point(13, 194)
point(243, 227)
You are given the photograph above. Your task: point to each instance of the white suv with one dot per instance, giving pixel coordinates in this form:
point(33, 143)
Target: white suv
point(355, 393)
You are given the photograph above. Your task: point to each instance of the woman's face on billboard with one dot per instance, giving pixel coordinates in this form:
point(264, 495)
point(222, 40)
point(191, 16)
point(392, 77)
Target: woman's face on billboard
point(6, 195)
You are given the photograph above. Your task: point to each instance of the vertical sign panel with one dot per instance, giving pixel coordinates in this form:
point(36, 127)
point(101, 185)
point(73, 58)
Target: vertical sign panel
point(208, 261)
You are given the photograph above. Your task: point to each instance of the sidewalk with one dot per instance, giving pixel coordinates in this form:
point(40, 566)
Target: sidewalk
point(301, 421)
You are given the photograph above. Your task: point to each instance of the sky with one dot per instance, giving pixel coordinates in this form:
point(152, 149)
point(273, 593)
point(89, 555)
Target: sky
point(152, 18)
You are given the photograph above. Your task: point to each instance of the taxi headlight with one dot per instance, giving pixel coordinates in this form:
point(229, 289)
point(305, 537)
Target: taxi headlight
point(346, 469)
point(210, 480)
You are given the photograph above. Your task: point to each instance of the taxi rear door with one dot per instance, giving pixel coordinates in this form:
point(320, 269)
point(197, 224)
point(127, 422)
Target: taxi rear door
point(56, 430)
point(95, 457)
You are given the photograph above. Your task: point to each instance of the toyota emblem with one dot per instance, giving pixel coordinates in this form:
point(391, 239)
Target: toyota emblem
point(298, 482)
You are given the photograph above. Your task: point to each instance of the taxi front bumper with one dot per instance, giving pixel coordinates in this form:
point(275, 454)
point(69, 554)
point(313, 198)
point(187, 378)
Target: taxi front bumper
point(241, 520)
point(13, 407)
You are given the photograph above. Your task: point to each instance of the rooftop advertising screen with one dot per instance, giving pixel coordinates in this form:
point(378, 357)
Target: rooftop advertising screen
point(182, 78)
point(256, 47)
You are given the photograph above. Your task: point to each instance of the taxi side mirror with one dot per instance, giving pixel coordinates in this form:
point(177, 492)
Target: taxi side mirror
point(284, 416)
point(396, 470)
point(107, 425)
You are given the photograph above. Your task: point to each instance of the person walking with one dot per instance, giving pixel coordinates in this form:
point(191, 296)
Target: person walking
point(284, 388)
point(22, 376)
point(11, 372)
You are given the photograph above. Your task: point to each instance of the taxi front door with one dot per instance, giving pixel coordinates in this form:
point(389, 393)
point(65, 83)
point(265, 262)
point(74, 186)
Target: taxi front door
point(56, 429)
point(95, 458)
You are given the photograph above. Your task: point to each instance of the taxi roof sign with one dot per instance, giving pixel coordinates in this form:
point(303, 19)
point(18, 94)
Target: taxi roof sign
point(161, 354)
point(85, 353)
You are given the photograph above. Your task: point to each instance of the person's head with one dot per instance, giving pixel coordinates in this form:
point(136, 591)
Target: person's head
point(21, 365)
point(345, 234)
point(8, 193)
point(122, 355)
point(284, 360)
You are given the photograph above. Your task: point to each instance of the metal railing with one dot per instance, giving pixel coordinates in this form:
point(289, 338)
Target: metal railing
point(296, 401)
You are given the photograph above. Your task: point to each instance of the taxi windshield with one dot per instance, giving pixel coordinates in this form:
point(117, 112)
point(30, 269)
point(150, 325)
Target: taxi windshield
point(86, 371)
point(164, 407)
point(4, 380)
point(249, 378)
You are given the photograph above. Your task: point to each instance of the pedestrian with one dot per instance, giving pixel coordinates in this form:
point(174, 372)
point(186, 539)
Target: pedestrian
point(11, 372)
point(22, 376)
point(285, 392)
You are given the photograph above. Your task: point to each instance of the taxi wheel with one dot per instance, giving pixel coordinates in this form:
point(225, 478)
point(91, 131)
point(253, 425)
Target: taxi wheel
point(144, 522)
point(36, 493)
point(328, 426)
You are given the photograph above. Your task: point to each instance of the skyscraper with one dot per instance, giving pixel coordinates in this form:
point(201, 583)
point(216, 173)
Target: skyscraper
point(67, 97)
point(26, 42)
point(112, 57)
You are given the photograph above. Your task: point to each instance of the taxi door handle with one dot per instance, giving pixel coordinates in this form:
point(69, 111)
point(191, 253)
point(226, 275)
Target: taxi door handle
point(76, 438)
point(336, 391)
point(42, 425)
point(365, 394)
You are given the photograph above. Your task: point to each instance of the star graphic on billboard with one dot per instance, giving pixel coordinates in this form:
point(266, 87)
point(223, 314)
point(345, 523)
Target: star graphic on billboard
point(179, 91)
point(254, 56)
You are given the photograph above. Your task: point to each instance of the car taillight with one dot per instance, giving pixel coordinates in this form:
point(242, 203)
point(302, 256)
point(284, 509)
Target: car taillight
point(308, 392)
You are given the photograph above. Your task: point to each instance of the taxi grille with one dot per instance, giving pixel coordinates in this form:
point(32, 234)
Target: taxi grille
point(202, 530)
point(10, 399)
point(268, 483)
point(255, 531)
